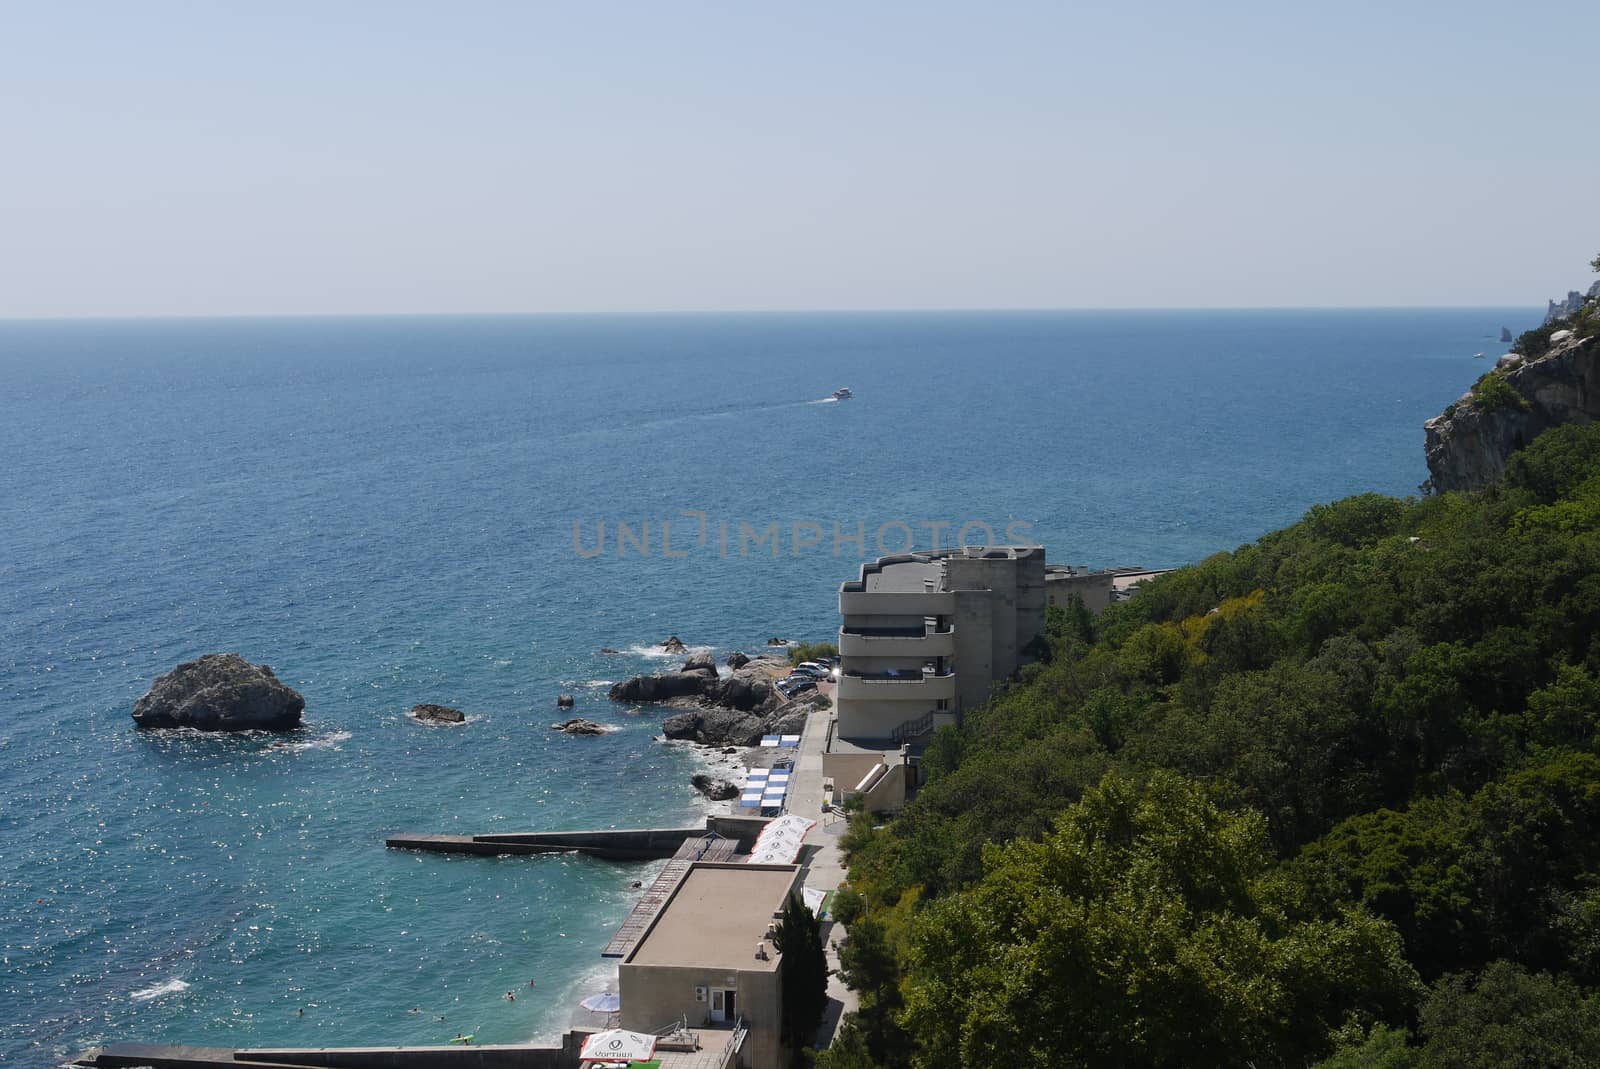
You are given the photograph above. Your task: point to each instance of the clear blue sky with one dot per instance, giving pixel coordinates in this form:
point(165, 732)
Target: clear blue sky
point(197, 159)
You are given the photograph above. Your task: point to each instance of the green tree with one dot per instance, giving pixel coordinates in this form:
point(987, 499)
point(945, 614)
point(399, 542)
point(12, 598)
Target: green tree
point(1141, 932)
point(803, 972)
point(848, 1049)
point(1508, 1018)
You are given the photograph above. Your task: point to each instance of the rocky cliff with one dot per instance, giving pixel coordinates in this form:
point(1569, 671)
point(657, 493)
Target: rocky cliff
point(1468, 444)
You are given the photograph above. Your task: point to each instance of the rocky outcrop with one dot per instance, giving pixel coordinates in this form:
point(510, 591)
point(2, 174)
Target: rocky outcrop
point(714, 788)
point(659, 688)
point(673, 644)
point(736, 660)
point(698, 674)
point(1505, 334)
point(439, 714)
point(220, 692)
point(748, 689)
point(1467, 447)
point(700, 662)
point(1562, 309)
point(720, 726)
point(579, 726)
point(565, 701)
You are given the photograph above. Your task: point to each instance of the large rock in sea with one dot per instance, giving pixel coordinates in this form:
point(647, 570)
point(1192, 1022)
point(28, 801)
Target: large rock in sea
point(673, 644)
point(220, 692)
point(737, 660)
point(659, 688)
point(1467, 447)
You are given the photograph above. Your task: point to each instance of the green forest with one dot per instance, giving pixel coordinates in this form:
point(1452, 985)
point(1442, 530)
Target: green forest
point(1332, 799)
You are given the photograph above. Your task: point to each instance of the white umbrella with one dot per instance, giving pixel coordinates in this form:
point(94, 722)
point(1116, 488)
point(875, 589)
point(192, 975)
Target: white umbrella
point(604, 1002)
point(618, 1045)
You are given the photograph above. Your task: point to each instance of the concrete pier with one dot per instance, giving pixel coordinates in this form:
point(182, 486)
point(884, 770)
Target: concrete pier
point(158, 1056)
point(628, 844)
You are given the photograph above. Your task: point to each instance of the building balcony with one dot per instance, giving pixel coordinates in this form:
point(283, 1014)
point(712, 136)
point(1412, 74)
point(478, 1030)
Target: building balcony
point(919, 643)
point(896, 603)
point(910, 685)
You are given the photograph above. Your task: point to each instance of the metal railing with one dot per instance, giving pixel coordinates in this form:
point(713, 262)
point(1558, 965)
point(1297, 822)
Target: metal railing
point(914, 728)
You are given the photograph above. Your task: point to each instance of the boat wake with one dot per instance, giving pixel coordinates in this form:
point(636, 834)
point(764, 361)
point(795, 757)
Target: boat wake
point(171, 987)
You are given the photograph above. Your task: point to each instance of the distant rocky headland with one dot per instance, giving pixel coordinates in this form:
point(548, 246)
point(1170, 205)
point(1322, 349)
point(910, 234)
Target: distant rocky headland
point(1550, 377)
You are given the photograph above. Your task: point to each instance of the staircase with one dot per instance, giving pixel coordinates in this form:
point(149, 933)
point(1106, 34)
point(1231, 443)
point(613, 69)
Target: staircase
point(913, 729)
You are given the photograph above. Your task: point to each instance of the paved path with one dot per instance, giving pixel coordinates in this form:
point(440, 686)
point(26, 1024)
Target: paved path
point(824, 868)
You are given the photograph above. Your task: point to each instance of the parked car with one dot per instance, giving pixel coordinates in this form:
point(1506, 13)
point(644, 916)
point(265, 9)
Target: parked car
point(811, 666)
point(800, 687)
point(811, 673)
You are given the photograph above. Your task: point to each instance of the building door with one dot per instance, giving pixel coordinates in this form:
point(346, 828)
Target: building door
point(722, 1004)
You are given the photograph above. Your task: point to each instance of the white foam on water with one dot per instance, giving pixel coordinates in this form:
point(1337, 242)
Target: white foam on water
point(329, 741)
point(658, 652)
point(171, 987)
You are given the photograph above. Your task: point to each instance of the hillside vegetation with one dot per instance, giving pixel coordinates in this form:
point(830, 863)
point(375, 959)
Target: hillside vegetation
point(1331, 798)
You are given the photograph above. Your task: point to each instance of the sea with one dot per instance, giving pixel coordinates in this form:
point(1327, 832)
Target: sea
point(467, 511)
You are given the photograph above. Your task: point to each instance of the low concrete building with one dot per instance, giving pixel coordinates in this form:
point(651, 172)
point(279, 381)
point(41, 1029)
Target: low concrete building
point(708, 958)
point(1097, 589)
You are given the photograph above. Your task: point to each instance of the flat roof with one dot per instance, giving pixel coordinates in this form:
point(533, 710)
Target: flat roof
point(716, 917)
point(905, 577)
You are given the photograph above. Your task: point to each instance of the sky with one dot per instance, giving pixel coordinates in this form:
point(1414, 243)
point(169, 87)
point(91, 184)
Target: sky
point(162, 158)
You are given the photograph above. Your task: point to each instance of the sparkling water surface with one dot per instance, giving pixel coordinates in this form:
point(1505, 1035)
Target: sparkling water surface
point(384, 511)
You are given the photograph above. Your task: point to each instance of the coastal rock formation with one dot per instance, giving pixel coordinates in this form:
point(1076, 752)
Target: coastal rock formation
point(748, 689)
point(439, 714)
point(564, 701)
point(220, 692)
point(608, 649)
point(736, 660)
point(715, 726)
point(718, 790)
point(700, 662)
point(718, 725)
point(1505, 334)
point(659, 688)
point(579, 726)
point(1468, 445)
point(673, 644)
point(1562, 309)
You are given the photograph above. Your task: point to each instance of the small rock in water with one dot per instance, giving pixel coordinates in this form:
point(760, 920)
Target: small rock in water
point(564, 701)
point(718, 790)
point(673, 644)
point(608, 649)
point(579, 726)
point(737, 660)
point(442, 714)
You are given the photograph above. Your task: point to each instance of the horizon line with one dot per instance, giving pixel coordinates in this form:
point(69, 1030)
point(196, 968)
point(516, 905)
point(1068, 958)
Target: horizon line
point(687, 312)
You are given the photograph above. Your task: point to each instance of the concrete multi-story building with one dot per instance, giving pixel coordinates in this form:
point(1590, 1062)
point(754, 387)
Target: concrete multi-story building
point(922, 638)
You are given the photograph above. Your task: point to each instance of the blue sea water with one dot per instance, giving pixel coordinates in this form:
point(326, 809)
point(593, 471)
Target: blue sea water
point(398, 510)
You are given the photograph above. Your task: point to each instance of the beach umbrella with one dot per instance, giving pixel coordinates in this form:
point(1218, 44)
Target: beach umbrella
point(618, 1045)
point(604, 1002)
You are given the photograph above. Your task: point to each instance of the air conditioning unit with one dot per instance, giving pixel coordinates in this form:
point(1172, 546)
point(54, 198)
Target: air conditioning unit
point(699, 994)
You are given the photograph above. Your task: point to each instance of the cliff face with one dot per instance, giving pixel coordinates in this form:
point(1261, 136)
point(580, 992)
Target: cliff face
point(1467, 446)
